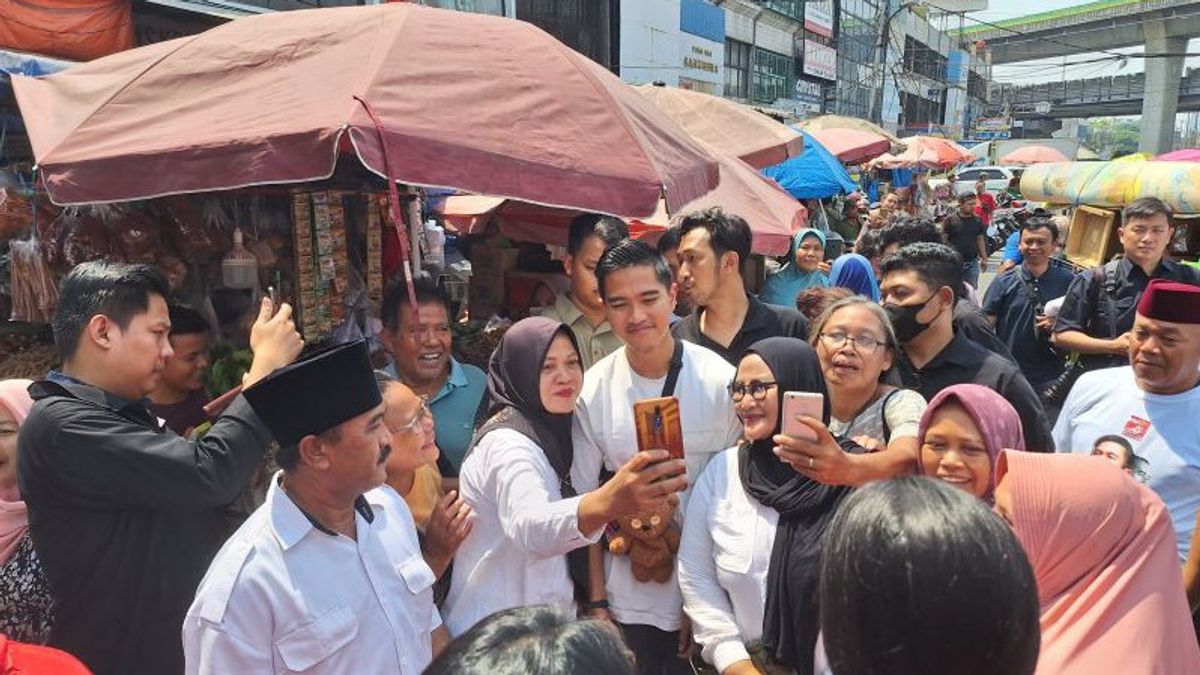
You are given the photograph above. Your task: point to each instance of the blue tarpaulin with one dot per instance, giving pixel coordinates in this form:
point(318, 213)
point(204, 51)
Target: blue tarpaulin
point(33, 65)
point(815, 174)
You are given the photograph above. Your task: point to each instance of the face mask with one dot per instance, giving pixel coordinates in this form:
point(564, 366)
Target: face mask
point(904, 320)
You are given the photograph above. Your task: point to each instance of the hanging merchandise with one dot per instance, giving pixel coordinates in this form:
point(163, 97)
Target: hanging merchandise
point(434, 259)
point(34, 293)
point(375, 252)
point(239, 267)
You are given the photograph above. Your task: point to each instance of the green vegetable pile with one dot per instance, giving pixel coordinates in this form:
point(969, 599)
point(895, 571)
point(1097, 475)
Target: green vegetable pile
point(228, 367)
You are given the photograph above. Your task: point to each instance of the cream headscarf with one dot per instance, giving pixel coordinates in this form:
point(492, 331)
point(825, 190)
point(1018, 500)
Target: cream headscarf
point(14, 519)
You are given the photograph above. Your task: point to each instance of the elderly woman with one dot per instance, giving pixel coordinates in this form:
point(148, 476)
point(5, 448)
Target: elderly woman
point(24, 594)
point(963, 432)
point(802, 270)
point(856, 348)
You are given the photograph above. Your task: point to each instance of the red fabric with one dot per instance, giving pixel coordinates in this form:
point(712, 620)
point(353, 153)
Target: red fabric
point(985, 208)
point(223, 109)
point(1170, 301)
point(17, 658)
point(69, 29)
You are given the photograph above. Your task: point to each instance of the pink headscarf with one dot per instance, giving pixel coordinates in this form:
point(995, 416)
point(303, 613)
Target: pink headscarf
point(997, 420)
point(14, 519)
point(1107, 568)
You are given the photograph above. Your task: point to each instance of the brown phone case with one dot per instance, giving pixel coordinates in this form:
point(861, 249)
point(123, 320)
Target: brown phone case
point(659, 426)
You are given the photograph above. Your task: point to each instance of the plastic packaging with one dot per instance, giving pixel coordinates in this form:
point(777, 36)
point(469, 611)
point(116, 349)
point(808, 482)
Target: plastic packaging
point(239, 267)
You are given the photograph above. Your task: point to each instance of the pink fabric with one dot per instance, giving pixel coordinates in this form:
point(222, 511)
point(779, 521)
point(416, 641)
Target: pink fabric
point(1103, 551)
point(852, 146)
point(997, 420)
point(481, 103)
point(14, 519)
point(1034, 154)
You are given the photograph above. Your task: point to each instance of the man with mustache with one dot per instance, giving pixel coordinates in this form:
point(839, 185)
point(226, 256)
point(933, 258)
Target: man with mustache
point(327, 575)
point(1152, 403)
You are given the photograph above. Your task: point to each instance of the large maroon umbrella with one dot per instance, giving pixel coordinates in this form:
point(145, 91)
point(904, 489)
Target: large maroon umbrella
point(474, 102)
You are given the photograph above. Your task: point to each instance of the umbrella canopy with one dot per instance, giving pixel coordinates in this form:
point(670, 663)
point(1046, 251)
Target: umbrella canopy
point(1034, 154)
point(470, 101)
point(773, 215)
point(816, 174)
point(1115, 183)
point(852, 146)
point(730, 127)
point(926, 151)
point(1185, 155)
point(841, 122)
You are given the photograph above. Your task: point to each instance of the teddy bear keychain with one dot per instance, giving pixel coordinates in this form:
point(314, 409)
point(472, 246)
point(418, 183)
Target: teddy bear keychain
point(650, 539)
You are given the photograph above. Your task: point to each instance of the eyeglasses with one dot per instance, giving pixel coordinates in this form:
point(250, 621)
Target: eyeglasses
point(415, 425)
point(757, 390)
point(862, 343)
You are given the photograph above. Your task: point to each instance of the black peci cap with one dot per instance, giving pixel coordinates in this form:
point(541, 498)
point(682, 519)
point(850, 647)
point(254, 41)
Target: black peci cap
point(317, 393)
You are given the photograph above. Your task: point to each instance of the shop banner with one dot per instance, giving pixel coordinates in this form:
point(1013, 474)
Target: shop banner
point(809, 93)
point(820, 61)
point(818, 17)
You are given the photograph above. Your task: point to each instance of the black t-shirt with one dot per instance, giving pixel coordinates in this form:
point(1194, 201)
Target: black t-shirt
point(961, 233)
point(964, 362)
point(762, 321)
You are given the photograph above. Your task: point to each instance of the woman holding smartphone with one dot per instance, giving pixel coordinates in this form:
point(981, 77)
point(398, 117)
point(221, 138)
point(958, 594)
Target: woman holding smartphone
point(752, 536)
point(527, 544)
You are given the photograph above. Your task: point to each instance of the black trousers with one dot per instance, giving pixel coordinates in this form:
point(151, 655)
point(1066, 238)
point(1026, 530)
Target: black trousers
point(656, 649)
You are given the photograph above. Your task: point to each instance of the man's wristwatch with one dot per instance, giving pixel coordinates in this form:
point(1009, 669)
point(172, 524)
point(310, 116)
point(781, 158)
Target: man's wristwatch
point(595, 604)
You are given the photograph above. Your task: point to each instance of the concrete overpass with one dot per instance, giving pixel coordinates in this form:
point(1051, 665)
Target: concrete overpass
point(1093, 97)
point(1162, 26)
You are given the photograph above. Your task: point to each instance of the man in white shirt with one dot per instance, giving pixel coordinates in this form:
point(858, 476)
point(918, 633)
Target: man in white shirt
point(1152, 404)
point(639, 295)
point(327, 576)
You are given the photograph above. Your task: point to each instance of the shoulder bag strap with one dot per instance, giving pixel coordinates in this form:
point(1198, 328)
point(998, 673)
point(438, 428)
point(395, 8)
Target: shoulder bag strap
point(887, 428)
point(673, 369)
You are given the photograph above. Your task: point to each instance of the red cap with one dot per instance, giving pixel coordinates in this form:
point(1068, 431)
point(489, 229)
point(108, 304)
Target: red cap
point(1170, 301)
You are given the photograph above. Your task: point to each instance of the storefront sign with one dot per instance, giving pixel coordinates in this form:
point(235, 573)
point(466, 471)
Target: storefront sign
point(810, 95)
point(818, 17)
point(820, 61)
point(701, 64)
point(993, 124)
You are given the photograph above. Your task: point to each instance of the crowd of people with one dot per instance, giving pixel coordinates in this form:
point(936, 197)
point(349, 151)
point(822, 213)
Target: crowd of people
point(931, 510)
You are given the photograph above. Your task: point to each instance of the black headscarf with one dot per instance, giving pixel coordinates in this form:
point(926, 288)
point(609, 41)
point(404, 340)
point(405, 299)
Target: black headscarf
point(791, 619)
point(514, 388)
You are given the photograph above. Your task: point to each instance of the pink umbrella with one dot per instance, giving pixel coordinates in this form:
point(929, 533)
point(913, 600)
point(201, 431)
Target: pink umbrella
point(1034, 154)
point(730, 127)
point(927, 151)
point(427, 96)
point(852, 146)
point(774, 216)
point(1185, 155)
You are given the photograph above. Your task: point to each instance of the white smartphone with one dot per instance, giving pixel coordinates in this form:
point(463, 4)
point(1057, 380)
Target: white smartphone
point(801, 404)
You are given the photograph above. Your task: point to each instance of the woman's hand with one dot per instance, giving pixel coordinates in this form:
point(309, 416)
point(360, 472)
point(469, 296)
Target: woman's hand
point(822, 460)
point(869, 444)
point(449, 524)
point(641, 485)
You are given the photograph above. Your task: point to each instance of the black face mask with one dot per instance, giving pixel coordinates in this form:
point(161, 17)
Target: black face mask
point(904, 320)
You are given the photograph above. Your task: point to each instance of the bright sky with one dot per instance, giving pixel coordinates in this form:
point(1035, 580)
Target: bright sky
point(1052, 70)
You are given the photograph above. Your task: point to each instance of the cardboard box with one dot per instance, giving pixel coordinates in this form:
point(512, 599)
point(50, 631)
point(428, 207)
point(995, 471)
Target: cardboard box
point(1092, 240)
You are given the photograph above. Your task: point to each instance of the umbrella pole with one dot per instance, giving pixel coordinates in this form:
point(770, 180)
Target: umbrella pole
point(394, 206)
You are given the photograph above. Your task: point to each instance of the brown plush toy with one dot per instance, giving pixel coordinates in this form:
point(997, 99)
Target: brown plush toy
point(650, 539)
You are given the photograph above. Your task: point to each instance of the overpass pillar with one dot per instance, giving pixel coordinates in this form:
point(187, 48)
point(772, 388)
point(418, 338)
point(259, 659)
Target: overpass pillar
point(1160, 101)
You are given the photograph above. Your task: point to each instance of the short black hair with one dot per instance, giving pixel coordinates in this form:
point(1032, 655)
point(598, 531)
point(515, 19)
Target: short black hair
point(909, 230)
point(537, 640)
point(669, 241)
point(425, 288)
point(1042, 223)
point(288, 456)
point(870, 244)
point(894, 584)
point(609, 229)
point(936, 265)
point(967, 197)
point(119, 291)
point(187, 321)
point(1113, 438)
point(1148, 207)
point(726, 232)
point(632, 253)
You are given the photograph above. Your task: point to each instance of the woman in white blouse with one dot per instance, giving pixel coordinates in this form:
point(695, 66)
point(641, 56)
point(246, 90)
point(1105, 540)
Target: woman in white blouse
point(856, 345)
point(751, 539)
point(516, 476)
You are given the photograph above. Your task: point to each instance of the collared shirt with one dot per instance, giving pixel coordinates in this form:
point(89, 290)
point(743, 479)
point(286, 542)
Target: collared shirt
point(1090, 309)
point(286, 595)
point(604, 435)
point(970, 322)
point(516, 552)
point(123, 514)
point(724, 559)
point(455, 407)
point(1161, 429)
point(962, 362)
point(595, 342)
point(762, 321)
point(1015, 299)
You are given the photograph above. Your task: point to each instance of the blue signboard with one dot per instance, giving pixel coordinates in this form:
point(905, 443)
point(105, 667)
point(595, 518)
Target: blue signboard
point(703, 19)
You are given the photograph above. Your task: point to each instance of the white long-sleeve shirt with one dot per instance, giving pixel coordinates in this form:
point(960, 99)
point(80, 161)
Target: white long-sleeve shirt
point(724, 557)
point(283, 596)
point(605, 435)
point(515, 554)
